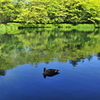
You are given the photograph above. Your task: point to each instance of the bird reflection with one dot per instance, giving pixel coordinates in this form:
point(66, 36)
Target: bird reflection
point(50, 72)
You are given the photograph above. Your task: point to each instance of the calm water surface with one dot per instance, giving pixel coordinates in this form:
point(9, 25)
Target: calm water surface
point(24, 55)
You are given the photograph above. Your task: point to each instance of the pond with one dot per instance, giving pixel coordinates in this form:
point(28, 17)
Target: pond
point(24, 54)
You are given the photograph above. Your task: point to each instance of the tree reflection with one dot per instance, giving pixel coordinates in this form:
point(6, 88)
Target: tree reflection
point(2, 72)
point(90, 57)
point(46, 46)
point(98, 55)
point(75, 62)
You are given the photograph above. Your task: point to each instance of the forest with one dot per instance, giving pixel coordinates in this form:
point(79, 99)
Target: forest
point(50, 11)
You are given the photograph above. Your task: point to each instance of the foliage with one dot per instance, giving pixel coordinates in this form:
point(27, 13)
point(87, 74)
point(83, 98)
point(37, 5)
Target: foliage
point(50, 11)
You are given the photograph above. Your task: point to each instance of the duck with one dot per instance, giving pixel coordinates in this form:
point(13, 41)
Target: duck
point(50, 72)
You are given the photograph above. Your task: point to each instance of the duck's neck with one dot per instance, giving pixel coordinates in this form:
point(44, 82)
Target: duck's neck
point(44, 69)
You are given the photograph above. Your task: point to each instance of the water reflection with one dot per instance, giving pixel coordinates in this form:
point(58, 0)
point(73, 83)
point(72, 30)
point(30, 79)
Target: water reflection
point(98, 55)
point(2, 72)
point(36, 46)
point(64, 49)
point(50, 75)
point(75, 62)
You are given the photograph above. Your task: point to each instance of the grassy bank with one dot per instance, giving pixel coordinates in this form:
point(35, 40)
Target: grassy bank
point(11, 27)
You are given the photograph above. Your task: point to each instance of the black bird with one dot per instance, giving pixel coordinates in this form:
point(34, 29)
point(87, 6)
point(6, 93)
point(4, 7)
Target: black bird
point(50, 72)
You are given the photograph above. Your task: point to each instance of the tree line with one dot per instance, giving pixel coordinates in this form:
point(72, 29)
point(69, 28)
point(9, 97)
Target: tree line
point(50, 11)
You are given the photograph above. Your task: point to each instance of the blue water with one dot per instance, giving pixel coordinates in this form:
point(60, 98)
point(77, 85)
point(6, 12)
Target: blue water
point(26, 82)
point(23, 57)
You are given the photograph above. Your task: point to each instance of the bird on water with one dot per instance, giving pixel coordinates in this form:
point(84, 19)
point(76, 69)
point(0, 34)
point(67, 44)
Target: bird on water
point(50, 72)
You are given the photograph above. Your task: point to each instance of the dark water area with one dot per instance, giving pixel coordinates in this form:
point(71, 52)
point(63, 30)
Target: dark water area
point(23, 57)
